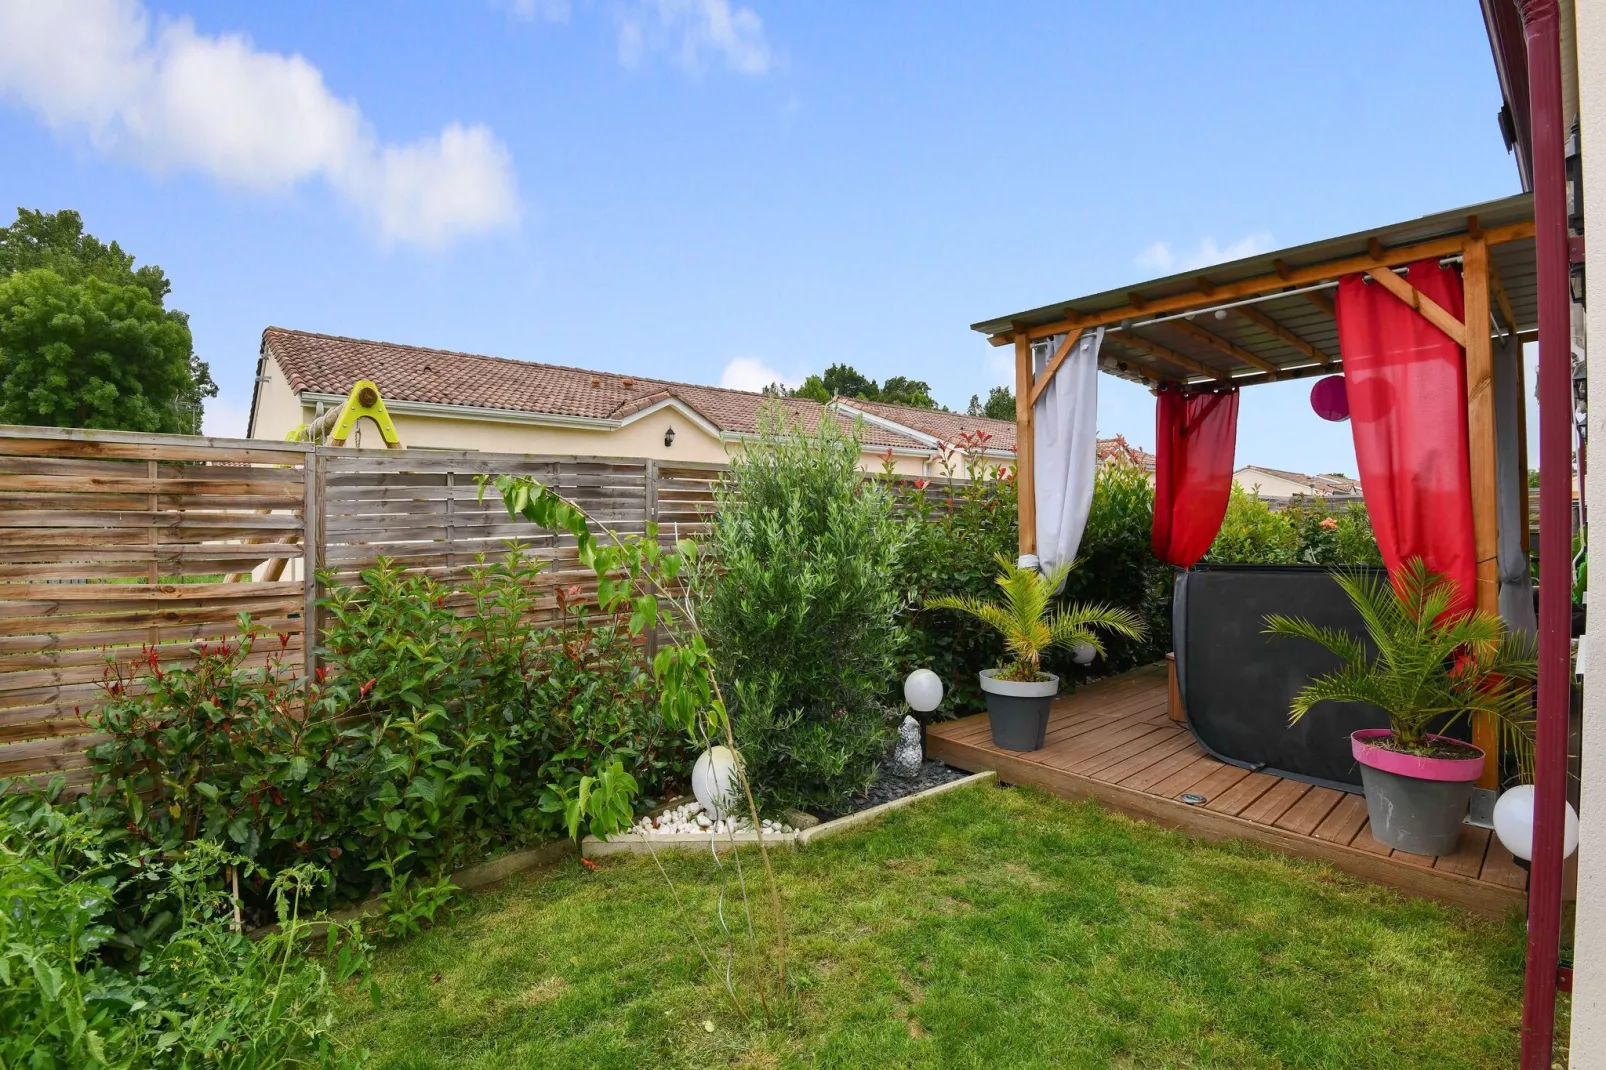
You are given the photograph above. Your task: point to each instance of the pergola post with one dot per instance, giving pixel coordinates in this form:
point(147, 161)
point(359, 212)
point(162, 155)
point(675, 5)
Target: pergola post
point(1481, 460)
point(1025, 474)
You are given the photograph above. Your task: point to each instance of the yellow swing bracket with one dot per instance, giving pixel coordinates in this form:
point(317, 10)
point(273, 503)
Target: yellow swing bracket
point(337, 424)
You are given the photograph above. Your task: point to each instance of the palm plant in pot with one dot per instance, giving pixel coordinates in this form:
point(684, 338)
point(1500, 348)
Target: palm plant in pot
point(1019, 693)
point(1429, 667)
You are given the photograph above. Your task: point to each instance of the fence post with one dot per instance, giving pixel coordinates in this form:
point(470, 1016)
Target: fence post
point(451, 530)
point(312, 557)
point(649, 511)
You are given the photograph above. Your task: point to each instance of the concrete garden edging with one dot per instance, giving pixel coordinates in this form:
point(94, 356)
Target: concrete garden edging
point(875, 813)
point(635, 844)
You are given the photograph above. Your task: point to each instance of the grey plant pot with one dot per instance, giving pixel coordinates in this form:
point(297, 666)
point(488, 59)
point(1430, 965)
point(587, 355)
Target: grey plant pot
point(1415, 804)
point(1018, 712)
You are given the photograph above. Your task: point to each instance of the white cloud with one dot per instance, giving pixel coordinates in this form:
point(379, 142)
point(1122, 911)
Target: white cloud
point(1160, 257)
point(1001, 366)
point(691, 31)
point(223, 417)
point(750, 373)
point(170, 98)
point(536, 10)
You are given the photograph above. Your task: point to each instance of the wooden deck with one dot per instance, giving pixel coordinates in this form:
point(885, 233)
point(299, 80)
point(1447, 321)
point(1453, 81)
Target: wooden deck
point(1112, 741)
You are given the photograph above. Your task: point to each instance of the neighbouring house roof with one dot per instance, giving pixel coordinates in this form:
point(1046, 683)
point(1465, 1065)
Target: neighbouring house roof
point(948, 427)
point(945, 427)
point(1319, 484)
point(1118, 450)
point(324, 364)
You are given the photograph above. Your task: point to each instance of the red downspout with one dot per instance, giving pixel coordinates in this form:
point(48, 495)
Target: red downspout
point(1541, 28)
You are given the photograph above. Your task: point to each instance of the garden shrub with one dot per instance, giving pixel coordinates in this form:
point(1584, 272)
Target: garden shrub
point(427, 740)
point(953, 545)
point(1308, 531)
point(202, 993)
point(1251, 533)
point(804, 616)
point(1118, 568)
point(1332, 535)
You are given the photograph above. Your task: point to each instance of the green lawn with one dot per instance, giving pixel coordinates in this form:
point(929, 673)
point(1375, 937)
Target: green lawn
point(985, 928)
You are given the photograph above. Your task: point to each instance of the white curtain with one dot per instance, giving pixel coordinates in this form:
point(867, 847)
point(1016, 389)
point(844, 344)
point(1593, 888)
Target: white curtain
point(1065, 447)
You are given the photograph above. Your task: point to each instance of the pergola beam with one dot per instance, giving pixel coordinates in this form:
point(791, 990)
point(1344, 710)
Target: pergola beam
point(1481, 463)
point(1170, 356)
point(1287, 374)
point(1501, 300)
point(1430, 309)
point(1220, 344)
point(1321, 301)
point(1277, 330)
point(1047, 376)
point(1025, 468)
point(1264, 284)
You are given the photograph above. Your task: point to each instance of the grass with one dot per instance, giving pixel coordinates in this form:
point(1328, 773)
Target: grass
point(984, 928)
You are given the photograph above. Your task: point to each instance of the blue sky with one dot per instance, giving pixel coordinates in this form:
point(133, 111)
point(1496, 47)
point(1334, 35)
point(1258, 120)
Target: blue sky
point(708, 189)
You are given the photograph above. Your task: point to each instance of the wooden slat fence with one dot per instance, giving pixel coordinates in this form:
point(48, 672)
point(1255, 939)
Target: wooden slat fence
point(422, 509)
point(114, 540)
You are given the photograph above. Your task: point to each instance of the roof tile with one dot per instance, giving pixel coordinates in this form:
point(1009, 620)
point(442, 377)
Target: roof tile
point(330, 364)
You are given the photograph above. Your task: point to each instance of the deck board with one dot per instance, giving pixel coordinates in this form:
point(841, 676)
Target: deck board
point(1112, 741)
point(1344, 821)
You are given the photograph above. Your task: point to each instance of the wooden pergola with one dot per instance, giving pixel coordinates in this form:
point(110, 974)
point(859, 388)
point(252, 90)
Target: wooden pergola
point(1270, 318)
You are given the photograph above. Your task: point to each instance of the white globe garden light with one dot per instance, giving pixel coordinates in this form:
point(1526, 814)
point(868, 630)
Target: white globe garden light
point(1514, 823)
point(1083, 653)
point(713, 782)
point(922, 690)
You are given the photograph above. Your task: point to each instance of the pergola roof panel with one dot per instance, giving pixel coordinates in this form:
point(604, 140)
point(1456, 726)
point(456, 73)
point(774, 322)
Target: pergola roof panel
point(1262, 331)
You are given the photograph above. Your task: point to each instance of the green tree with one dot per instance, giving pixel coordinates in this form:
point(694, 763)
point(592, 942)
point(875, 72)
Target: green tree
point(843, 380)
point(46, 376)
point(901, 391)
point(839, 380)
point(57, 241)
point(813, 388)
point(91, 354)
point(1000, 404)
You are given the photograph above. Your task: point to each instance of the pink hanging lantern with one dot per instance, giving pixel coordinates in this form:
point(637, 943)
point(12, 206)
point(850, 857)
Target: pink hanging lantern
point(1330, 399)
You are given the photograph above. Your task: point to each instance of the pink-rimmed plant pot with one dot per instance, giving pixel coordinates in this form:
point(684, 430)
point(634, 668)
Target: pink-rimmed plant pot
point(1416, 804)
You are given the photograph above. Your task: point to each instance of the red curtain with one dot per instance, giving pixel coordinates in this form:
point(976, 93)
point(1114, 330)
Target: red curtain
point(1408, 411)
point(1193, 471)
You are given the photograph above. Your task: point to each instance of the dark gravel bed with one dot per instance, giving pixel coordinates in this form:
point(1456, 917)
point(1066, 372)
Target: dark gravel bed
point(890, 787)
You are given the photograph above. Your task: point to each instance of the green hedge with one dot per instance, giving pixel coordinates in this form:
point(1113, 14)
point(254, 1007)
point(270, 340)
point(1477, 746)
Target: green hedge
point(1309, 531)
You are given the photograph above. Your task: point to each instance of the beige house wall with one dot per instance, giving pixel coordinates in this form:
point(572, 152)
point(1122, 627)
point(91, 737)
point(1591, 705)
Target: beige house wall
point(1269, 486)
point(278, 411)
point(1588, 1047)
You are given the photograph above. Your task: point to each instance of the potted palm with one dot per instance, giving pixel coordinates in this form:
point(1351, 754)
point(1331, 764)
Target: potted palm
point(1429, 668)
point(1019, 692)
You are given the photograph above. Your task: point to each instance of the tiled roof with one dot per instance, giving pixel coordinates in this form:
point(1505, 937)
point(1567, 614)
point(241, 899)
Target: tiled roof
point(1119, 451)
point(330, 364)
point(1320, 484)
point(947, 426)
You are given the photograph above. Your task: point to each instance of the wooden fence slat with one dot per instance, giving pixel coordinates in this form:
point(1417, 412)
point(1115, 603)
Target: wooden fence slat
point(159, 592)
